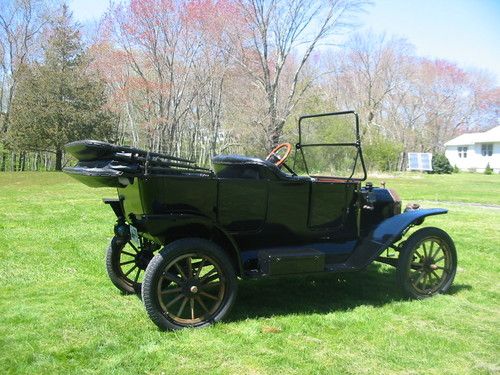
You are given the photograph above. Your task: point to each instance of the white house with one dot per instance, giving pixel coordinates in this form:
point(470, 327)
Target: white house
point(473, 151)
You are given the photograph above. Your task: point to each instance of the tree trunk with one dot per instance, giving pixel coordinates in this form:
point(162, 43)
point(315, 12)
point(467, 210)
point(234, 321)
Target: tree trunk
point(59, 155)
point(23, 163)
point(47, 162)
point(4, 161)
point(402, 161)
point(275, 133)
point(13, 162)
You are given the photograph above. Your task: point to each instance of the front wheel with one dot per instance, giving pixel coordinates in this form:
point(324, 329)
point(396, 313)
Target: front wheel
point(427, 263)
point(190, 283)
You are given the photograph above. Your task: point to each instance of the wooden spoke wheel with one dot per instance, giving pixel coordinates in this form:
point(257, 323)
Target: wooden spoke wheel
point(191, 283)
point(126, 263)
point(427, 263)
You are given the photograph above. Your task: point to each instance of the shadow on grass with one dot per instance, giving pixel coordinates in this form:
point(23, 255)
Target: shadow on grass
point(320, 293)
point(456, 288)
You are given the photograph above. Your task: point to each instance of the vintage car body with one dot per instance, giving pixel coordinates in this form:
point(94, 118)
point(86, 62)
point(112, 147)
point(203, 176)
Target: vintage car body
point(266, 221)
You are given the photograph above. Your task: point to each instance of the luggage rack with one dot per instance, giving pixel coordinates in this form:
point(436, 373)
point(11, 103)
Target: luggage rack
point(108, 165)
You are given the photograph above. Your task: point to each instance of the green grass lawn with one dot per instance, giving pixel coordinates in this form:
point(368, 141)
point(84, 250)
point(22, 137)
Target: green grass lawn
point(60, 313)
point(459, 187)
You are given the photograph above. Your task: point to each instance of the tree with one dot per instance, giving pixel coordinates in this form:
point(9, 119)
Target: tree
point(273, 32)
point(169, 81)
point(488, 169)
point(159, 53)
point(59, 101)
point(197, 77)
point(21, 22)
point(441, 164)
point(414, 102)
point(365, 72)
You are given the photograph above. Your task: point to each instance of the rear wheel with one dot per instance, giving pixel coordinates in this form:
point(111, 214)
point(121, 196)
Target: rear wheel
point(427, 263)
point(126, 263)
point(190, 283)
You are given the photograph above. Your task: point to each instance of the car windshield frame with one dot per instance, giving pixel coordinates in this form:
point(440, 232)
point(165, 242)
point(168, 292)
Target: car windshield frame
point(357, 144)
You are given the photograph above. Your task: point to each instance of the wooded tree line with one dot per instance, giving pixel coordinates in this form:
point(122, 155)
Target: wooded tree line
point(200, 77)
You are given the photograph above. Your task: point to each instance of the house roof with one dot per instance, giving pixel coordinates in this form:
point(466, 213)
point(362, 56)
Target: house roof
point(492, 135)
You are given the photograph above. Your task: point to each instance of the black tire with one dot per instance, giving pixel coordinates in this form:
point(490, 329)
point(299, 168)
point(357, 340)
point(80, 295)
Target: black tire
point(189, 270)
point(427, 263)
point(125, 263)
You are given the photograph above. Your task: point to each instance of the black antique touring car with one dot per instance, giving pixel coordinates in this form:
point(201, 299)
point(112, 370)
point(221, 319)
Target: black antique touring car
point(184, 234)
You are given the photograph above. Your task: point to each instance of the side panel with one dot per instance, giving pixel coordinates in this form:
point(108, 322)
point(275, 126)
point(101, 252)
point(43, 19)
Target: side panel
point(242, 204)
point(187, 194)
point(288, 215)
point(288, 208)
point(156, 195)
point(329, 204)
point(130, 199)
point(286, 219)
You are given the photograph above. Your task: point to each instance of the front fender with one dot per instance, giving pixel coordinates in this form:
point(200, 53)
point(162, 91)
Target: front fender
point(385, 234)
point(392, 228)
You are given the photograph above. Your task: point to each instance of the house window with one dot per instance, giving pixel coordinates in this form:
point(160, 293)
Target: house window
point(462, 152)
point(487, 149)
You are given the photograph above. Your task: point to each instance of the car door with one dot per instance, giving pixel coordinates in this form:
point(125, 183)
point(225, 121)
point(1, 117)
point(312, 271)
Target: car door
point(330, 205)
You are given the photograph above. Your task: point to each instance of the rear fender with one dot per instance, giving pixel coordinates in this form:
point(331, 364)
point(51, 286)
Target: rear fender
point(387, 233)
point(173, 226)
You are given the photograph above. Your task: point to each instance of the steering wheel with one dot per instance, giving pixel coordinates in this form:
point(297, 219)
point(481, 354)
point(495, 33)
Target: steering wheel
point(275, 158)
point(278, 160)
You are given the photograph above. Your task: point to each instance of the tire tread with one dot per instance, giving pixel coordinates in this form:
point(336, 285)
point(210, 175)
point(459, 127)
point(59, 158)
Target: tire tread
point(160, 260)
point(410, 243)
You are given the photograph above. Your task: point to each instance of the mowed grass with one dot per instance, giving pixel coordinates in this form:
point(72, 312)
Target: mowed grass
point(60, 313)
point(457, 187)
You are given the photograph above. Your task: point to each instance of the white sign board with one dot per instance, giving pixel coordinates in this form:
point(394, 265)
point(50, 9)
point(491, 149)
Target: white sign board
point(419, 161)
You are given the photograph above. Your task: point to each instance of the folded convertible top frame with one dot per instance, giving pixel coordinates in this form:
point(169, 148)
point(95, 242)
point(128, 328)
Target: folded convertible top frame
point(93, 155)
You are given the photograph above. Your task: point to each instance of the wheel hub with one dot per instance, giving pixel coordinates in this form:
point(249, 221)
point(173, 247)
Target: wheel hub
point(191, 288)
point(429, 264)
point(143, 258)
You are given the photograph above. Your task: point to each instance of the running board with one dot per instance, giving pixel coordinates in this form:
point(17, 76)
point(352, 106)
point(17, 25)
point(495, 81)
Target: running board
point(300, 259)
point(288, 262)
